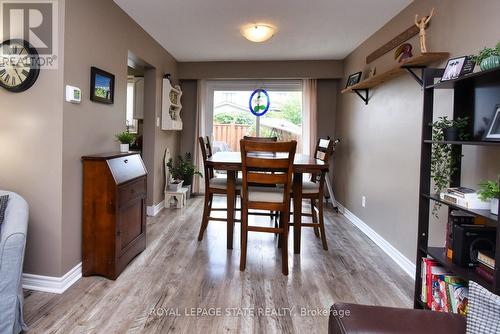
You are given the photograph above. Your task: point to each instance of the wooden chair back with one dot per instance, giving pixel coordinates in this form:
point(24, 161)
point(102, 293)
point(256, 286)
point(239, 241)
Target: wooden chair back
point(266, 164)
point(261, 139)
point(323, 152)
point(206, 152)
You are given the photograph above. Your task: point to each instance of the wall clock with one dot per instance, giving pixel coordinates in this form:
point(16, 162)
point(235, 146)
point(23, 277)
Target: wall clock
point(19, 65)
point(259, 102)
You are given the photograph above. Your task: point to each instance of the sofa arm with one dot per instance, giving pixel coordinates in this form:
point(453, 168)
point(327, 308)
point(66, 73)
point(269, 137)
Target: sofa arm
point(377, 319)
point(12, 246)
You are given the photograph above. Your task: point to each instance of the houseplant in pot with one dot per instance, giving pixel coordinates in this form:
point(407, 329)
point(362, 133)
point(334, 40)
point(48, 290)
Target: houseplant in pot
point(183, 169)
point(490, 191)
point(450, 129)
point(125, 138)
point(444, 160)
point(488, 58)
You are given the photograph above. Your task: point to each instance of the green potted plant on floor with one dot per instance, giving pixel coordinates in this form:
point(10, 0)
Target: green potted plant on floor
point(488, 58)
point(183, 169)
point(125, 138)
point(490, 191)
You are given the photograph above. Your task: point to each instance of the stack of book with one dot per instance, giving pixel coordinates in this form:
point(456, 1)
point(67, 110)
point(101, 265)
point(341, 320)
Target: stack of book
point(442, 291)
point(486, 265)
point(465, 197)
point(456, 217)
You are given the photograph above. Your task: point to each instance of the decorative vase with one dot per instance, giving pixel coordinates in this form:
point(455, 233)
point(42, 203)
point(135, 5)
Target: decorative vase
point(450, 134)
point(124, 147)
point(489, 63)
point(494, 206)
point(175, 186)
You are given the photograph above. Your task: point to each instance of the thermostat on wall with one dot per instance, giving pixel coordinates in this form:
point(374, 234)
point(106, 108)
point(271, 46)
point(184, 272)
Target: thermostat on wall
point(73, 94)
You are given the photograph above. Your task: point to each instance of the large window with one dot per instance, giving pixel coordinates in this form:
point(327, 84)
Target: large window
point(231, 119)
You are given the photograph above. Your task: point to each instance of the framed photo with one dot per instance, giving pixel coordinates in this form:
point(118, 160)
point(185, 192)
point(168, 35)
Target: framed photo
point(457, 67)
point(494, 130)
point(102, 86)
point(353, 79)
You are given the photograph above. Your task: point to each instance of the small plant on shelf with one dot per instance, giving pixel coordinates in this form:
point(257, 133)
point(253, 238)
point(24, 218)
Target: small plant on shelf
point(490, 191)
point(444, 160)
point(488, 58)
point(183, 169)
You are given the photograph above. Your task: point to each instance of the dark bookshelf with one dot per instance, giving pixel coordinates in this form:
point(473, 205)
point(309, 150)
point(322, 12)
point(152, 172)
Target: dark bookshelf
point(477, 212)
point(462, 142)
point(451, 84)
point(439, 254)
point(474, 96)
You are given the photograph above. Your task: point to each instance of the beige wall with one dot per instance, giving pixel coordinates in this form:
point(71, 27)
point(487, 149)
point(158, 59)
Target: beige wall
point(380, 153)
point(99, 33)
point(31, 160)
point(319, 69)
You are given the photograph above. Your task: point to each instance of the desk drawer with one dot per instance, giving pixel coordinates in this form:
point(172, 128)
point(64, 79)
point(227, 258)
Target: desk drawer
point(132, 190)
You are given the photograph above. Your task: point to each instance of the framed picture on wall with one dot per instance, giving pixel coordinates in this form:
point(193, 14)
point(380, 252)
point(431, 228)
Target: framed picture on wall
point(353, 79)
point(494, 129)
point(102, 86)
point(457, 67)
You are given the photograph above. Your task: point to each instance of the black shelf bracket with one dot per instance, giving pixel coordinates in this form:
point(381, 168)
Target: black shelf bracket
point(365, 97)
point(414, 75)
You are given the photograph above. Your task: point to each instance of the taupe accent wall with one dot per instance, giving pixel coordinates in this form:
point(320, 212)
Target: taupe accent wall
point(99, 33)
point(43, 137)
point(293, 69)
point(380, 153)
point(31, 160)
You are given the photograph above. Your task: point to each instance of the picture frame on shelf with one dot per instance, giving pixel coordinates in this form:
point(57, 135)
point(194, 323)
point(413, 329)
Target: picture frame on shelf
point(494, 128)
point(353, 79)
point(102, 86)
point(457, 67)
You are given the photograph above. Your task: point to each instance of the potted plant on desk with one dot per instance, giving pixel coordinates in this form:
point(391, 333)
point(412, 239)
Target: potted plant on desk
point(490, 191)
point(183, 170)
point(125, 138)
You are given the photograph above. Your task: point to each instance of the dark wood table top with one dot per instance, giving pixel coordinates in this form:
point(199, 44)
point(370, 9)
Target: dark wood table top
point(232, 161)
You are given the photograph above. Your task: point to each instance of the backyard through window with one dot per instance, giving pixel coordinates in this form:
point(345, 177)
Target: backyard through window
point(233, 119)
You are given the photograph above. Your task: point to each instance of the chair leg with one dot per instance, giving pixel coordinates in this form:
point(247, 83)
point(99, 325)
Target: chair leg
point(284, 243)
point(280, 225)
point(207, 207)
point(314, 218)
point(322, 223)
point(244, 236)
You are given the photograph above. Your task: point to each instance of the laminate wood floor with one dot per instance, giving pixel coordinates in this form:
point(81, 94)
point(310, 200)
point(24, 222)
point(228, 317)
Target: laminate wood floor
point(163, 288)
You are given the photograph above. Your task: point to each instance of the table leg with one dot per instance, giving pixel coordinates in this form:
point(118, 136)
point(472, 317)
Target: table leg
point(231, 195)
point(297, 211)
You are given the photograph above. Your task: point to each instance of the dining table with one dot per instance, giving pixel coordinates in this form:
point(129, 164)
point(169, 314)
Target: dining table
point(231, 163)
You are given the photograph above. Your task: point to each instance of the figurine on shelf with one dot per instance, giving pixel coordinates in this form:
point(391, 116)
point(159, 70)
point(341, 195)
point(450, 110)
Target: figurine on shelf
point(422, 24)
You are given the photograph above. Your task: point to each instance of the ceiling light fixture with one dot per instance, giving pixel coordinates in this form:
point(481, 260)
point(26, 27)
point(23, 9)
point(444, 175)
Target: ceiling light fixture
point(258, 32)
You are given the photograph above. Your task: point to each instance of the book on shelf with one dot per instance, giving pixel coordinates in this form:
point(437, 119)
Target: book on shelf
point(463, 192)
point(468, 203)
point(441, 290)
point(486, 258)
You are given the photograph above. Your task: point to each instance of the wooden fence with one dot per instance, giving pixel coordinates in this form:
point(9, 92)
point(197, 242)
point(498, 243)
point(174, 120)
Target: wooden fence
point(230, 134)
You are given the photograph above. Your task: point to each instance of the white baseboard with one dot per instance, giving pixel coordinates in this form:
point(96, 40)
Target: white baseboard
point(50, 283)
point(155, 209)
point(402, 261)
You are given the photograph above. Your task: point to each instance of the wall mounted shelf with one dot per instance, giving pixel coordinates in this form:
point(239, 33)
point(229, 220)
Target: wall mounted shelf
point(418, 62)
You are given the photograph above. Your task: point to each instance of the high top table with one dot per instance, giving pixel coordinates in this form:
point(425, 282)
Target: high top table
point(231, 163)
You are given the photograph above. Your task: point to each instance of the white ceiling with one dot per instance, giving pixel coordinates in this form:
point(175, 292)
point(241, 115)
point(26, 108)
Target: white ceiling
point(208, 30)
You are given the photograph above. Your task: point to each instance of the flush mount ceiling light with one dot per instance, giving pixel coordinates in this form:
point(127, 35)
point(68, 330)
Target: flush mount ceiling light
point(258, 32)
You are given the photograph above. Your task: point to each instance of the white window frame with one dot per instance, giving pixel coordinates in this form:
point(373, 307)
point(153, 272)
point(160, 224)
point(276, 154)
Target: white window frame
point(251, 85)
